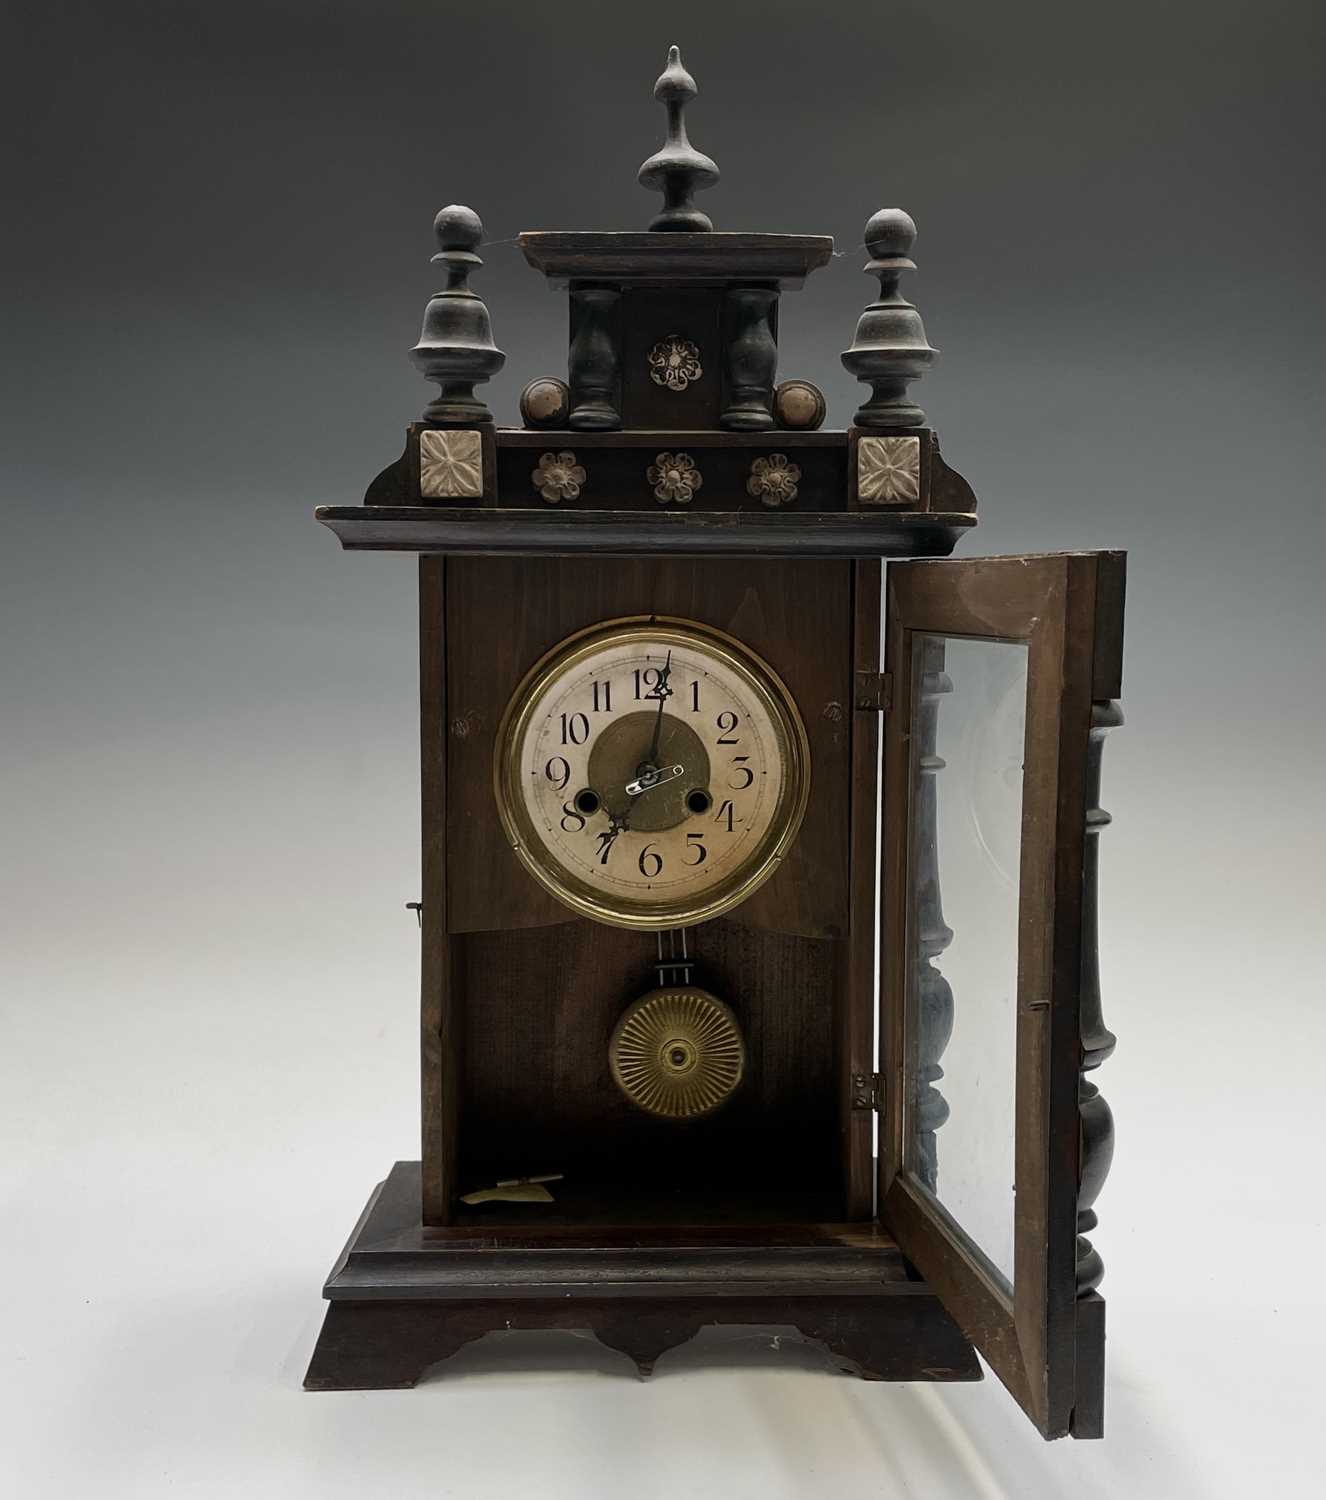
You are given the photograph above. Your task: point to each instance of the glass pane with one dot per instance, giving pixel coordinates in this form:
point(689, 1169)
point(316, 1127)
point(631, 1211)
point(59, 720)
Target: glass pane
point(970, 700)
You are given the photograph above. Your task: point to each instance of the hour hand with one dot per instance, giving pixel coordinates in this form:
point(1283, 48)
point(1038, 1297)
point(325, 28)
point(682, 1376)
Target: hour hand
point(653, 778)
point(607, 837)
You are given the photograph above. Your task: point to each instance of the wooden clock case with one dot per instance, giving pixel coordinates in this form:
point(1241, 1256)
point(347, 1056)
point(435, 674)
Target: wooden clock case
point(777, 1209)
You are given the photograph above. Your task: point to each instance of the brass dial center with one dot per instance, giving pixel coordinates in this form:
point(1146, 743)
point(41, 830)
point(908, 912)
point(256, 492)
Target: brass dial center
point(620, 755)
point(679, 1055)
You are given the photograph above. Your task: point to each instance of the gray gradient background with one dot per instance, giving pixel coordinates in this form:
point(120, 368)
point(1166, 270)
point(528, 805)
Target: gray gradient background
point(216, 244)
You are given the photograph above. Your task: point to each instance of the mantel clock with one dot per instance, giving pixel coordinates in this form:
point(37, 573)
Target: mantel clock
point(710, 720)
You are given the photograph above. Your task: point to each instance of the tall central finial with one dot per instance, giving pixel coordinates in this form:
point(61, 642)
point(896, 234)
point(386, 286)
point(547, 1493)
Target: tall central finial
point(677, 169)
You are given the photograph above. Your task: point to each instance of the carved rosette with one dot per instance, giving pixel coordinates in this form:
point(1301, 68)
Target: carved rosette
point(674, 478)
point(558, 477)
point(450, 465)
point(934, 995)
point(773, 480)
point(674, 362)
point(888, 470)
point(1096, 1146)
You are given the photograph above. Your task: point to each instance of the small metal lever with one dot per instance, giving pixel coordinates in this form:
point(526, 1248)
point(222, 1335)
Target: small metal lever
point(654, 778)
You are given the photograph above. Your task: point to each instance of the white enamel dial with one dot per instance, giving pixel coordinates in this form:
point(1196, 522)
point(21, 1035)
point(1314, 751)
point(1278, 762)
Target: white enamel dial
point(651, 772)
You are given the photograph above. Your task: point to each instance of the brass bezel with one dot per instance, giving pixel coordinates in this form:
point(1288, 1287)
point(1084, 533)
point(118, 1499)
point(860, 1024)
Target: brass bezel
point(738, 658)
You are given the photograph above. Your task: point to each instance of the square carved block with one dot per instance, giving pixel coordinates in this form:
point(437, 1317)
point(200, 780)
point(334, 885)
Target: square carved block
point(450, 465)
point(888, 470)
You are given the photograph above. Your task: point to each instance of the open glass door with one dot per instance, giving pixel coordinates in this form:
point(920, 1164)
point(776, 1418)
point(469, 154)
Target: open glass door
point(993, 1143)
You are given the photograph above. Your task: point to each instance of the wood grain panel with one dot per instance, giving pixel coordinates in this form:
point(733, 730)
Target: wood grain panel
point(440, 1039)
point(857, 1013)
point(503, 614)
point(537, 1094)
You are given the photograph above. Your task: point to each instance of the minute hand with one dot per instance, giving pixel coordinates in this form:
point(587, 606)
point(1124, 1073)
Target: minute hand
point(664, 693)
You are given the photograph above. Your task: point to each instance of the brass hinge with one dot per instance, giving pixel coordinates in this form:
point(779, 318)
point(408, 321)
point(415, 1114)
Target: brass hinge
point(865, 1091)
point(874, 692)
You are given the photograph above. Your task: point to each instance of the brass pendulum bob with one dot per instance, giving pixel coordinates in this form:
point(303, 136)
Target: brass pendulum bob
point(677, 1052)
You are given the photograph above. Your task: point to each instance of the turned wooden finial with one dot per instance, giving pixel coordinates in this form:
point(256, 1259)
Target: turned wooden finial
point(456, 347)
point(677, 169)
point(890, 349)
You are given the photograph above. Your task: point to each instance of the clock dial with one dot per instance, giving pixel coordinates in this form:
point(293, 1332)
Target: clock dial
point(651, 772)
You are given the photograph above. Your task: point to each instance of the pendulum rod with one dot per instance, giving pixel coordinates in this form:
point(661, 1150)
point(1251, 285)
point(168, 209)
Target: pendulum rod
point(674, 961)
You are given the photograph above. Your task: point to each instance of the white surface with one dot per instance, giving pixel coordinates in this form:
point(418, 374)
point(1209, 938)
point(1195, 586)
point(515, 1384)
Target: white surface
point(192, 1125)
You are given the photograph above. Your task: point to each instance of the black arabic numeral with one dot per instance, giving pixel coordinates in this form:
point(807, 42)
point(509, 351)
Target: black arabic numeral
point(575, 729)
point(695, 842)
point(557, 767)
point(572, 820)
point(695, 696)
point(602, 700)
point(741, 769)
point(727, 722)
point(725, 815)
point(651, 865)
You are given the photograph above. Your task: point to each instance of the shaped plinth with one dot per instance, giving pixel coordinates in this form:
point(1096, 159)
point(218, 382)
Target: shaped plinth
point(643, 259)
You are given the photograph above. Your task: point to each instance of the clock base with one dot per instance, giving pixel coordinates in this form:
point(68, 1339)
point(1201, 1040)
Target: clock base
point(405, 1296)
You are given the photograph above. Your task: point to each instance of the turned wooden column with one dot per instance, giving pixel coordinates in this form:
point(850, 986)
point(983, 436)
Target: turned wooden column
point(933, 994)
point(750, 358)
point(594, 359)
point(1097, 1129)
